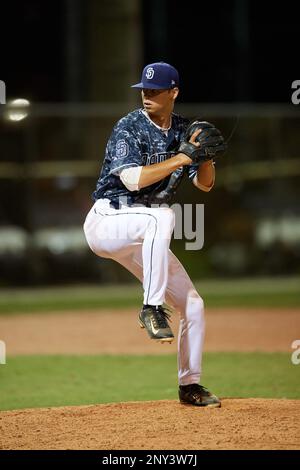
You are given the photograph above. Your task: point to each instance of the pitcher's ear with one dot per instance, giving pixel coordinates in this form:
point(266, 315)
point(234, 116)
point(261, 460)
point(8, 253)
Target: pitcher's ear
point(175, 92)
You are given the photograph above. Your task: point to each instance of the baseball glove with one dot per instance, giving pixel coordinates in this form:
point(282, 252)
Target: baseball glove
point(211, 142)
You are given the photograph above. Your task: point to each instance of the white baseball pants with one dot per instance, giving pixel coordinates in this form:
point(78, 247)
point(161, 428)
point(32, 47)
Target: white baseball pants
point(138, 238)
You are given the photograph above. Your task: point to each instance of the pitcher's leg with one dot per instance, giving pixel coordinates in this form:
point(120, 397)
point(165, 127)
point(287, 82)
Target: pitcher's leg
point(153, 317)
point(182, 295)
point(155, 255)
point(190, 340)
point(113, 233)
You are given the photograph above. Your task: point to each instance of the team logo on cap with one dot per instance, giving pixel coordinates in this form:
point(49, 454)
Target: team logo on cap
point(149, 73)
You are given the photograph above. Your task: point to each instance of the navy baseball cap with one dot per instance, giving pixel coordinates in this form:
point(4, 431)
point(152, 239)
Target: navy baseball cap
point(158, 76)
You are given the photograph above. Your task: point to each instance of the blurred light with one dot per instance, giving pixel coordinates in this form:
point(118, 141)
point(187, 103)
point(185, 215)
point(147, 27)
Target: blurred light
point(13, 240)
point(285, 229)
point(20, 112)
point(60, 241)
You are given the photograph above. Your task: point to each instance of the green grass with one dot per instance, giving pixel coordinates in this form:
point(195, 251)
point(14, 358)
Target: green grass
point(44, 381)
point(69, 298)
point(257, 292)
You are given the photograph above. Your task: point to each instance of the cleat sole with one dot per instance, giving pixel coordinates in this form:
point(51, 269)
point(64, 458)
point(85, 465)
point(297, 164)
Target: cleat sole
point(165, 340)
point(212, 405)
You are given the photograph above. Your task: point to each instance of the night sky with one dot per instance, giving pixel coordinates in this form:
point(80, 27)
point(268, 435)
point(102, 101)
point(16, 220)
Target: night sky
point(224, 53)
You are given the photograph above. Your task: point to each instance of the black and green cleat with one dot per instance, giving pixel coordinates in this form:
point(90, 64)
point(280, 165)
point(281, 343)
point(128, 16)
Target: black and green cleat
point(197, 395)
point(154, 318)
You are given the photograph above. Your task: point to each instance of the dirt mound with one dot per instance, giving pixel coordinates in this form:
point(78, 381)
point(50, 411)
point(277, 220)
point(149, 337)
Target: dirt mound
point(239, 424)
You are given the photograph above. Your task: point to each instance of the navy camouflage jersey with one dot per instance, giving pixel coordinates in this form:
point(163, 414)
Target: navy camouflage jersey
point(136, 141)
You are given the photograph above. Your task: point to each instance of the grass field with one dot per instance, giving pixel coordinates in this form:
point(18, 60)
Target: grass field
point(44, 381)
point(259, 292)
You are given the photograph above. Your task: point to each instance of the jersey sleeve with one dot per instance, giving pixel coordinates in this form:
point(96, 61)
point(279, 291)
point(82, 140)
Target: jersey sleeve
point(124, 150)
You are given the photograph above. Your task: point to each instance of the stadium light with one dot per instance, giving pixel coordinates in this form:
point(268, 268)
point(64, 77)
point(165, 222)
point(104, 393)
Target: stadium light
point(17, 110)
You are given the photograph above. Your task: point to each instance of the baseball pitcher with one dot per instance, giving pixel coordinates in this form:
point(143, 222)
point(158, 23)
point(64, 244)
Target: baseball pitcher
point(147, 155)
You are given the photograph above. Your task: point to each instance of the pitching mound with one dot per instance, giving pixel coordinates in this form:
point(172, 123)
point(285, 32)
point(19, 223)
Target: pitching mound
point(239, 424)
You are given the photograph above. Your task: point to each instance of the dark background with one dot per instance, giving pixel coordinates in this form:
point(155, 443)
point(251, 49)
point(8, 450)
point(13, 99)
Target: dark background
point(75, 60)
point(238, 50)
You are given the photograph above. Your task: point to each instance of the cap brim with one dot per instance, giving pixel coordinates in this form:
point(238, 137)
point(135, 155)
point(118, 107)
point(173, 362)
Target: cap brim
point(137, 85)
point(149, 87)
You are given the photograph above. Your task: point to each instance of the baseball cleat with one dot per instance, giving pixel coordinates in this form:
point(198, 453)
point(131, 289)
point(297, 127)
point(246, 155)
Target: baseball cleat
point(197, 395)
point(154, 318)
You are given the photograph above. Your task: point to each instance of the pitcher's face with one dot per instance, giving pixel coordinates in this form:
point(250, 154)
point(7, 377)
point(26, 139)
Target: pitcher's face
point(158, 101)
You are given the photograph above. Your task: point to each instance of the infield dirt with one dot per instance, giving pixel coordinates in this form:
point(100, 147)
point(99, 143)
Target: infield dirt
point(239, 424)
point(117, 332)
